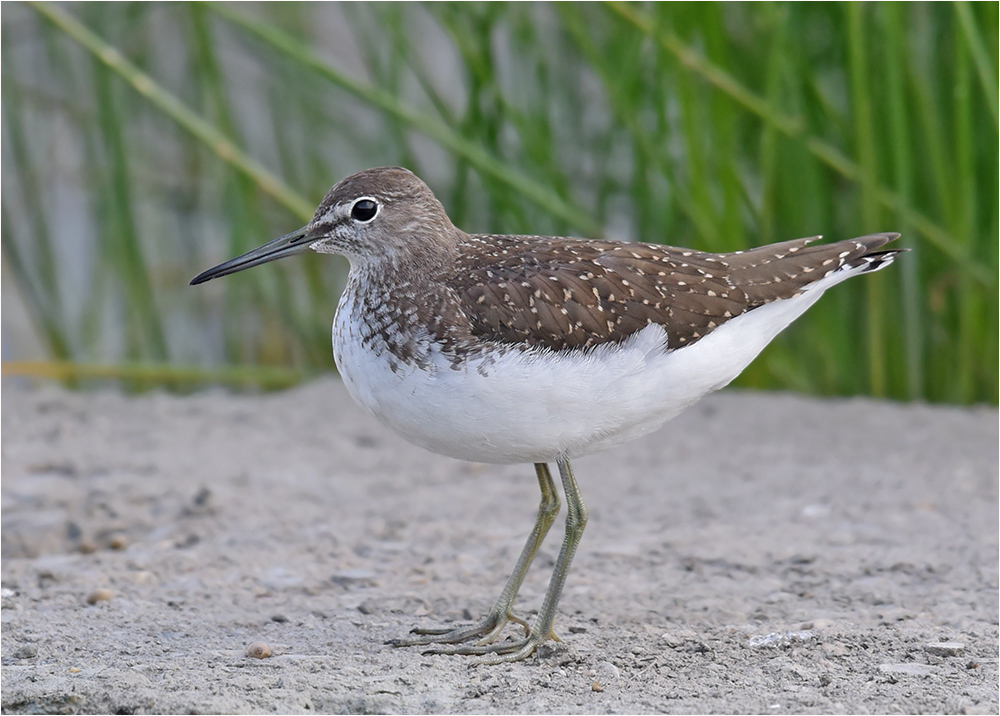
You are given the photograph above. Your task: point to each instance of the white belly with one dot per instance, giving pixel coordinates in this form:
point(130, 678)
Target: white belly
point(531, 406)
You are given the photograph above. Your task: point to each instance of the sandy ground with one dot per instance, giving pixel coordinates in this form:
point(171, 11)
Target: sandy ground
point(761, 553)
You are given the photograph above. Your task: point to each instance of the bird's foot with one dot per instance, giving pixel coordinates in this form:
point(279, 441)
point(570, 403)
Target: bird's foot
point(497, 653)
point(485, 631)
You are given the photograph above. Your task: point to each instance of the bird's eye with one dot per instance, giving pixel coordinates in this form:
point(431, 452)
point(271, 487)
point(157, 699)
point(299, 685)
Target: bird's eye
point(364, 210)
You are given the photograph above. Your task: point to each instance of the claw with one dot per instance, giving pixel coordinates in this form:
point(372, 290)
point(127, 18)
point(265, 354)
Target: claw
point(432, 631)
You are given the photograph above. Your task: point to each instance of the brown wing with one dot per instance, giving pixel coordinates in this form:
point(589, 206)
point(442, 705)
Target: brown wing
point(569, 293)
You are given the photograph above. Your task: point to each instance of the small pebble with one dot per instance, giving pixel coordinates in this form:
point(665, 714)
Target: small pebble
point(607, 672)
point(26, 651)
point(99, 595)
point(944, 648)
point(118, 542)
point(594, 686)
point(835, 649)
point(258, 650)
point(672, 640)
point(912, 668)
point(280, 618)
point(202, 498)
point(577, 630)
point(780, 639)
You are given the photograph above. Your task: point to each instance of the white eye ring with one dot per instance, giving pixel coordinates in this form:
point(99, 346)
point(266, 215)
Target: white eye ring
point(365, 209)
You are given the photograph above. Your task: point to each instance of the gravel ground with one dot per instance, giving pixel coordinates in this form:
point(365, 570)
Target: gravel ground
point(762, 553)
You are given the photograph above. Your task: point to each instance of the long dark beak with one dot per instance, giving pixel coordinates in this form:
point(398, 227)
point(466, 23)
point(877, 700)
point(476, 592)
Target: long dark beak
point(294, 243)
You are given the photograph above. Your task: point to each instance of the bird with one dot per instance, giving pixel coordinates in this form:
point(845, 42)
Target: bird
point(536, 349)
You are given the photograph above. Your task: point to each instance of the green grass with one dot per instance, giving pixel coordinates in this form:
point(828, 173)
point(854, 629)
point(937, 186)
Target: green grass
point(146, 142)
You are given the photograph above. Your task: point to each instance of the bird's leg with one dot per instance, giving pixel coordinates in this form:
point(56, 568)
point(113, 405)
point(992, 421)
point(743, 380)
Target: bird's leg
point(541, 630)
point(490, 626)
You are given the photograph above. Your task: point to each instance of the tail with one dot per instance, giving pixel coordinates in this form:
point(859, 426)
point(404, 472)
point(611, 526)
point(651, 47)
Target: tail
point(841, 260)
point(780, 271)
point(868, 260)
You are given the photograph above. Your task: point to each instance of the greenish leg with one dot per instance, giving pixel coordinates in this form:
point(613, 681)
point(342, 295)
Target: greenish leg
point(489, 627)
point(541, 630)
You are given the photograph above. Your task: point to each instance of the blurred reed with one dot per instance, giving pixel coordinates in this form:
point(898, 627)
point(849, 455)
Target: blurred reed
point(145, 142)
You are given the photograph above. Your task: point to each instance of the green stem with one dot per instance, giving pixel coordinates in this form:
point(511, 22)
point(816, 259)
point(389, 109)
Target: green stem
point(474, 154)
point(794, 128)
point(142, 83)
